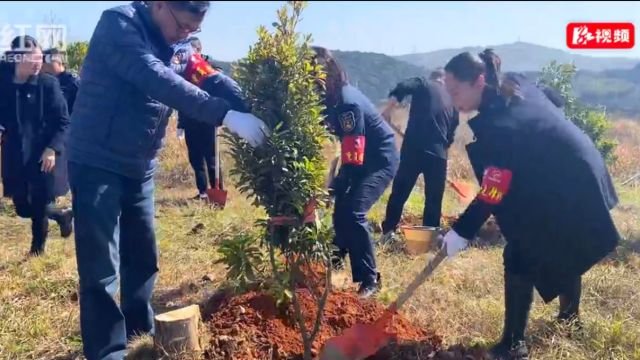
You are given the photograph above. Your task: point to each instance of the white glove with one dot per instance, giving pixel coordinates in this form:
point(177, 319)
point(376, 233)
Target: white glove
point(454, 243)
point(247, 126)
point(180, 134)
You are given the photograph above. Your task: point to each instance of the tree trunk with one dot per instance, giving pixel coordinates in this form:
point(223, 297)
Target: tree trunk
point(177, 331)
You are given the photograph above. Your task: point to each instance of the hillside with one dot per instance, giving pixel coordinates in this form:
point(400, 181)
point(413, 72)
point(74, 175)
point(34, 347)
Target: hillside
point(375, 74)
point(617, 88)
point(522, 56)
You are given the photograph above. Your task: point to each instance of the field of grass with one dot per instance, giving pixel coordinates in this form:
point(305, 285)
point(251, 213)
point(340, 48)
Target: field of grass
point(463, 302)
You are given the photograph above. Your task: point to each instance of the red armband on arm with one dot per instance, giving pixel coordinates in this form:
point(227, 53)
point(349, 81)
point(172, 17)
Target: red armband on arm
point(353, 150)
point(353, 140)
point(496, 183)
point(198, 69)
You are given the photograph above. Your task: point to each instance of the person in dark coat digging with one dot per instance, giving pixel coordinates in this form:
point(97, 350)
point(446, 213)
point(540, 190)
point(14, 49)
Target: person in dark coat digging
point(430, 133)
point(369, 163)
point(33, 127)
point(546, 184)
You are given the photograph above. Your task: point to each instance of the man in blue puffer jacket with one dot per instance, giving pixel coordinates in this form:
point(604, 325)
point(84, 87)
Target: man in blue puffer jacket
point(118, 126)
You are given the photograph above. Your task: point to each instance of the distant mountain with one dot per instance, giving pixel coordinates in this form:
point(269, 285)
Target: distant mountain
point(617, 87)
point(224, 65)
point(618, 90)
point(375, 74)
point(522, 56)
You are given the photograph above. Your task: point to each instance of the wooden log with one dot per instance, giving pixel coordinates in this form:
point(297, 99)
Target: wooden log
point(177, 331)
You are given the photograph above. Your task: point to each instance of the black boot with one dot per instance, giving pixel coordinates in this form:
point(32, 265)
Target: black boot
point(518, 299)
point(39, 232)
point(570, 304)
point(64, 218)
point(66, 223)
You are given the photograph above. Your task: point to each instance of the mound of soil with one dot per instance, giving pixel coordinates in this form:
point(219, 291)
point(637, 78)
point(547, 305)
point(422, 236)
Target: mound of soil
point(250, 326)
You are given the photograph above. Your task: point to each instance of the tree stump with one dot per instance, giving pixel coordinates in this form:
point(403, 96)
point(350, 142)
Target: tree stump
point(177, 331)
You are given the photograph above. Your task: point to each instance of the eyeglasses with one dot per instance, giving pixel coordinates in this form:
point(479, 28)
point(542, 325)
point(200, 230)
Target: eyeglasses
point(181, 27)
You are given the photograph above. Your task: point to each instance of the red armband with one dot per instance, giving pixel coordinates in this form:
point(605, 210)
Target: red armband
point(198, 69)
point(353, 150)
point(495, 185)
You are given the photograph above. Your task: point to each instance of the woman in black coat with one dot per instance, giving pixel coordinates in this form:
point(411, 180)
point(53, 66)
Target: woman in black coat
point(33, 126)
point(546, 184)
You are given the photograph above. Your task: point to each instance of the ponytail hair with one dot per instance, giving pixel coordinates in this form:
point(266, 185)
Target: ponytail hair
point(468, 67)
point(492, 64)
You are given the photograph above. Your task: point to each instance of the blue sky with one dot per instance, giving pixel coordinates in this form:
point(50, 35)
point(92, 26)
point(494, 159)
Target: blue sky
point(392, 28)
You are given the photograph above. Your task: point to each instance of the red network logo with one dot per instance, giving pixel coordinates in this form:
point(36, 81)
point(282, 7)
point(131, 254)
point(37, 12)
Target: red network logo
point(600, 35)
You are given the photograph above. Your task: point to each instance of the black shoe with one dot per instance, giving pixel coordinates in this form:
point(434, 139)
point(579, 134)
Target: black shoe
point(66, 223)
point(505, 351)
point(369, 289)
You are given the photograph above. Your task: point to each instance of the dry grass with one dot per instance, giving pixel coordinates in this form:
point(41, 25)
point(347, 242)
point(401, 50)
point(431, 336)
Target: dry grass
point(462, 302)
point(627, 134)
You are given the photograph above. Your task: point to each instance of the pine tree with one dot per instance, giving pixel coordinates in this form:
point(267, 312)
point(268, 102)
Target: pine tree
point(286, 175)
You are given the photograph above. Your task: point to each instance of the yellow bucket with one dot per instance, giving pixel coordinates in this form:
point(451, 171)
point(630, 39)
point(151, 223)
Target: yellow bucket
point(419, 239)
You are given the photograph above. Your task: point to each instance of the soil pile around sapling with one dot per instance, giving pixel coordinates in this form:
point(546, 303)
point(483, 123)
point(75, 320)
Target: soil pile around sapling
point(250, 326)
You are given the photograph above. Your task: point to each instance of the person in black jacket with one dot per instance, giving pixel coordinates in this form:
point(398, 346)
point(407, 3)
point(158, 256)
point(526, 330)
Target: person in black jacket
point(55, 64)
point(33, 126)
point(369, 163)
point(430, 132)
point(547, 186)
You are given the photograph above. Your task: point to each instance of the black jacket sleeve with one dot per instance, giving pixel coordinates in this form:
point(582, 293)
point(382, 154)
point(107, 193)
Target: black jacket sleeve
point(496, 183)
point(55, 114)
point(129, 56)
point(406, 88)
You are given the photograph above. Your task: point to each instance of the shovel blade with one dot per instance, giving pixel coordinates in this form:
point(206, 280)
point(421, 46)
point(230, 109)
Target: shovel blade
point(217, 197)
point(359, 341)
point(464, 190)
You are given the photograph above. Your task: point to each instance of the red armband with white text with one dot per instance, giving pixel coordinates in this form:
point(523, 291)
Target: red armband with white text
point(495, 185)
point(198, 69)
point(353, 150)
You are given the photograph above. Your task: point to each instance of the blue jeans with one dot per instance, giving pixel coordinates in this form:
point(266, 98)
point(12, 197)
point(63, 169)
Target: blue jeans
point(353, 234)
point(114, 226)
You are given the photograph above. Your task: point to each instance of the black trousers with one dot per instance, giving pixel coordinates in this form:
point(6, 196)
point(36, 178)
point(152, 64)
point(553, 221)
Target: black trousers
point(33, 200)
point(519, 296)
point(434, 171)
point(200, 139)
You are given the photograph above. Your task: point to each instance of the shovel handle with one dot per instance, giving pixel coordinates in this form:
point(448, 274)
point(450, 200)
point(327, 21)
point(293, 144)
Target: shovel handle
point(216, 150)
point(424, 274)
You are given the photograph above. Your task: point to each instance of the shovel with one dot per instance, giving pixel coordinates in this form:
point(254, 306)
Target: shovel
point(217, 196)
point(364, 340)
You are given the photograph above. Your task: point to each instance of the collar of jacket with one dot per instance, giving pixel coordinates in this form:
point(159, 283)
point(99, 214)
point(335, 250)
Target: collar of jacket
point(31, 80)
point(492, 103)
point(154, 30)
